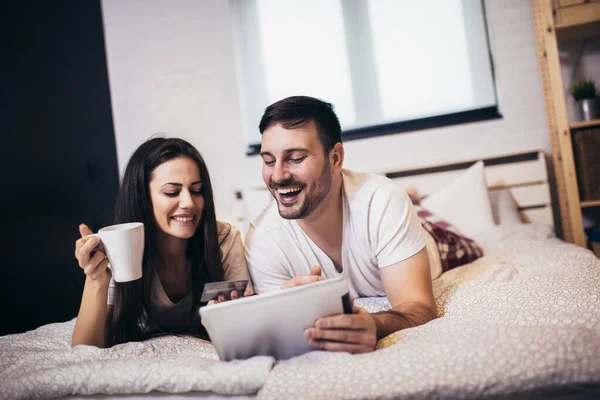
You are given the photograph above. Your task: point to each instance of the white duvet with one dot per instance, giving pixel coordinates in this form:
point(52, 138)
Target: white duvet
point(524, 317)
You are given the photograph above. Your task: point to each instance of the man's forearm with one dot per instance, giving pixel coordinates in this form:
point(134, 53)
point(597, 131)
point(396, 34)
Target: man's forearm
point(401, 317)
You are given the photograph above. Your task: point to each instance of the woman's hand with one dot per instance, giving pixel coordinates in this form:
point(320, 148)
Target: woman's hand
point(233, 295)
point(93, 262)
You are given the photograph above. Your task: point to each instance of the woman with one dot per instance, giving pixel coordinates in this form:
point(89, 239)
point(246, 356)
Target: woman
point(166, 186)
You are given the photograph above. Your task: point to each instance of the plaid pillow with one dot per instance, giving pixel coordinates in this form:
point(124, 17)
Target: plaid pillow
point(455, 248)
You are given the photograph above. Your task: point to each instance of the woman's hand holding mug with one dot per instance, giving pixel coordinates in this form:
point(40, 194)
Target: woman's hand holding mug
point(93, 262)
point(115, 251)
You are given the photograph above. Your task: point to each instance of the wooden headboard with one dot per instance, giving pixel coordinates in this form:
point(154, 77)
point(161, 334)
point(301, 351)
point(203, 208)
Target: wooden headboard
point(524, 174)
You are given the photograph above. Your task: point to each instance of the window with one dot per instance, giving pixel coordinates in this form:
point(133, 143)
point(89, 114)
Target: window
point(387, 66)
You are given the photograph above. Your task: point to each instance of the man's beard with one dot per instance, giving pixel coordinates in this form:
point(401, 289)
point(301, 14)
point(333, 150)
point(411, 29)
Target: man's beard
point(310, 201)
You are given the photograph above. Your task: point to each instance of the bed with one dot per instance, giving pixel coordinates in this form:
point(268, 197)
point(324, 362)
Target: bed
point(522, 321)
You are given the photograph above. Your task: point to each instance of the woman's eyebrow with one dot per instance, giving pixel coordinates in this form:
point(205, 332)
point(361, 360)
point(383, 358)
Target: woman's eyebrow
point(179, 184)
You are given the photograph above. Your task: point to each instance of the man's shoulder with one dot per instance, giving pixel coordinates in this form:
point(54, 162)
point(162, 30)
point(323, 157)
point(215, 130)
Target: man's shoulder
point(270, 231)
point(269, 220)
point(362, 186)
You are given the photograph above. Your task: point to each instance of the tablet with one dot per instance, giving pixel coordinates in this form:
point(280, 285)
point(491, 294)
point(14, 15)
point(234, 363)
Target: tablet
point(273, 323)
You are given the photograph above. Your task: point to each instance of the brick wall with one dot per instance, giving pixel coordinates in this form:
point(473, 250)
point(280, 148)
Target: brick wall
point(171, 68)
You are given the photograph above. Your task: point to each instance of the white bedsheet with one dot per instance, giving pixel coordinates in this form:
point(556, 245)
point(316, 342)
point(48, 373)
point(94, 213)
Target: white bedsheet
point(524, 317)
point(41, 364)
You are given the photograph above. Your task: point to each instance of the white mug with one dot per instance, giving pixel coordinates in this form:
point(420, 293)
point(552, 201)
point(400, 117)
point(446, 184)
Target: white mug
point(123, 245)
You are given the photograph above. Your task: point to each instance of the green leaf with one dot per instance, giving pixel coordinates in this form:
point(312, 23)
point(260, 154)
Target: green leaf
point(584, 89)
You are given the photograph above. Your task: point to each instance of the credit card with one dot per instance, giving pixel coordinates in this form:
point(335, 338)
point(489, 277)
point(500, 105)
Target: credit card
point(212, 290)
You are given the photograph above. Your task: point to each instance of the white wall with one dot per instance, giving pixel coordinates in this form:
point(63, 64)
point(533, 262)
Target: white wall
point(171, 69)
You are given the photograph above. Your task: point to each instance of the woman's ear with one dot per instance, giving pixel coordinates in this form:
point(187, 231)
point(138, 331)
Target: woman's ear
point(336, 157)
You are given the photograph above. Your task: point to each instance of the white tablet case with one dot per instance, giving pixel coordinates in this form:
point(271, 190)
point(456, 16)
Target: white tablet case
point(273, 323)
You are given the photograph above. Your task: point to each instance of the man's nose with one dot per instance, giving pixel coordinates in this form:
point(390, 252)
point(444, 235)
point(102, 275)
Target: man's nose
point(281, 173)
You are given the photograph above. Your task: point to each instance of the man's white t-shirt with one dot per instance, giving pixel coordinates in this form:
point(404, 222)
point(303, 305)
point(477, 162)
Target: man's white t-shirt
point(380, 228)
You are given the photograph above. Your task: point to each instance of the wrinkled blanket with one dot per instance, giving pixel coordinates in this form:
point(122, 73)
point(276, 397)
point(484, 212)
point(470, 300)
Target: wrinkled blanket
point(41, 364)
point(525, 316)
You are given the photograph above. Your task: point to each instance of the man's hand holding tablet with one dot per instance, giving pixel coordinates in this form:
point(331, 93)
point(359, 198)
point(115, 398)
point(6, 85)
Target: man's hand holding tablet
point(273, 323)
point(356, 333)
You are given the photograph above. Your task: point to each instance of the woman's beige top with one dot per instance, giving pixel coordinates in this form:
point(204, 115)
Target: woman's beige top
point(175, 317)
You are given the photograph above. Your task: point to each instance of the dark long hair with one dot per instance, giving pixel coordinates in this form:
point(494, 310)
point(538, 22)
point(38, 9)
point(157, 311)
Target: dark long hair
point(132, 299)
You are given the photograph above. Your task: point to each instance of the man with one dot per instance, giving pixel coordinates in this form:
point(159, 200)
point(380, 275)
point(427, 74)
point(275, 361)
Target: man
point(328, 221)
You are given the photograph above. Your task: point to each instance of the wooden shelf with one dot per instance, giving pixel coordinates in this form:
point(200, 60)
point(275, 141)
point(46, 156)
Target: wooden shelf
point(577, 15)
point(558, 22)
point(590, 203)
point(578, 32)
point(585, 124)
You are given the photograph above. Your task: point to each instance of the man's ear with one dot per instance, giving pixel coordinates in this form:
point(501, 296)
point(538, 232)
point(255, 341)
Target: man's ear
point(336, 157)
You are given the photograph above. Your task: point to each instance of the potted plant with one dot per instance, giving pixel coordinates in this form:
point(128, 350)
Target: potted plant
point(586, 97)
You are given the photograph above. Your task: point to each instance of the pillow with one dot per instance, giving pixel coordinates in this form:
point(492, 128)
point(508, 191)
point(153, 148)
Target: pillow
point(435, 262)
point(446, 246)
point(464, 203)
point(504, 208)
